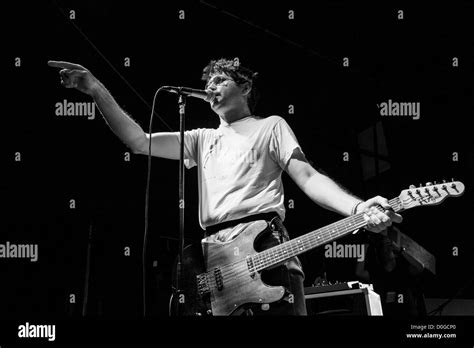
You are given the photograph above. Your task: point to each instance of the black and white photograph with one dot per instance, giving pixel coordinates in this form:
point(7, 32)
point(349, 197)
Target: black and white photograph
point(237, 172)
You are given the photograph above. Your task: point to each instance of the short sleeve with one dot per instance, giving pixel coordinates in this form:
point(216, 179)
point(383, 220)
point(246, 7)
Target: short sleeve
point(191, 141)
point(282, 143)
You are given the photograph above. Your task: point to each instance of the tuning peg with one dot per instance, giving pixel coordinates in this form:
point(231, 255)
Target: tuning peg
point(428, 184)
point(434, 182)
point(412, 187)
point(444, 181)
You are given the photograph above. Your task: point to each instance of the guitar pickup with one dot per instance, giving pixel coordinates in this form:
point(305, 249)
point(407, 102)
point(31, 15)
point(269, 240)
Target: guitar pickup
point(219, 279)
point(251, 266)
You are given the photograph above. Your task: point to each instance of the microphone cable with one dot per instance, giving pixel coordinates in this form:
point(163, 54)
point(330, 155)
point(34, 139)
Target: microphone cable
point(147, 201)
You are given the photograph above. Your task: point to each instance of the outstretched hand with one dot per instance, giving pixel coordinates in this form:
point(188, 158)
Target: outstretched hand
point(377, 220)
point(75, 76)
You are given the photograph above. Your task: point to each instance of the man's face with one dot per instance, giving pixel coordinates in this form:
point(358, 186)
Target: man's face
point(227, 93)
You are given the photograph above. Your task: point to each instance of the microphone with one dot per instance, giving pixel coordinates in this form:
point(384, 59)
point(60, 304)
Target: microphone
point(191, 92)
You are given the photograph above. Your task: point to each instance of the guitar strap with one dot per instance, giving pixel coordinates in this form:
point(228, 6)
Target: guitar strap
point(210, 230)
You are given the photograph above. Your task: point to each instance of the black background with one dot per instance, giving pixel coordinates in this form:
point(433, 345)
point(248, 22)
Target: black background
point(300, 64)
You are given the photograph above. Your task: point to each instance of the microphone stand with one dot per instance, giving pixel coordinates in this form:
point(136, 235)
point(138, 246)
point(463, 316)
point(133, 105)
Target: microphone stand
point(182, 106)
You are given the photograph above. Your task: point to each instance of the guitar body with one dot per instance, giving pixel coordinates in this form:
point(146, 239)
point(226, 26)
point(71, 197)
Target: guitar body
point(227, 265)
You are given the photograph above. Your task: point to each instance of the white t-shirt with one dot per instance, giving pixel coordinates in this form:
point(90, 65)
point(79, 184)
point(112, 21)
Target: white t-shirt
point(239, 167)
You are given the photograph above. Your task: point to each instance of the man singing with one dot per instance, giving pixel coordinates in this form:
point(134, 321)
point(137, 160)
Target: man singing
point(239, 169)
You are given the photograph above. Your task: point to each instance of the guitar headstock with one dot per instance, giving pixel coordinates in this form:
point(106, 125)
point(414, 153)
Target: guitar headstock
point(431, 194)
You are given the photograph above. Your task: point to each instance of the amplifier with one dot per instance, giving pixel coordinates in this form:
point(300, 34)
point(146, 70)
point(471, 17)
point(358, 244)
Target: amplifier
point(348, 298)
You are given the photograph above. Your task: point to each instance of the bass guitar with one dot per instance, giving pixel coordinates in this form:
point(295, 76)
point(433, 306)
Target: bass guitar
point(220, 279)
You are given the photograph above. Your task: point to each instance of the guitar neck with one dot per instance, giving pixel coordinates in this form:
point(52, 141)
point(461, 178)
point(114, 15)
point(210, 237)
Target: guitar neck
point(311, 240)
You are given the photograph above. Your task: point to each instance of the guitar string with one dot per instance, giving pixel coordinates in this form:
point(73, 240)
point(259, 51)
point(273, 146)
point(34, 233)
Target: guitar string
point(263, 254)
point(266, 260)
point(242, 270)
point(326, 234)
point(229, 272)
point(279, 252)
point(345, 224)
point(264, 257)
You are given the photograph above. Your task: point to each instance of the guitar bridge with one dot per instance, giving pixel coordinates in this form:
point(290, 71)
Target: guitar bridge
point(202, 284)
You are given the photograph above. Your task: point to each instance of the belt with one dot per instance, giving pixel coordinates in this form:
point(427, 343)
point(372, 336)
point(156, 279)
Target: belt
point(226, 224)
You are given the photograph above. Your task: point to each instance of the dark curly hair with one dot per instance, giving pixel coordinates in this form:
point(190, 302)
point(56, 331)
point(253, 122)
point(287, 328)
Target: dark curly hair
point(239, 74)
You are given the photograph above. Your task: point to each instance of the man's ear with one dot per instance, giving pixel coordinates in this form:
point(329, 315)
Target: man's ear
point(246, 88)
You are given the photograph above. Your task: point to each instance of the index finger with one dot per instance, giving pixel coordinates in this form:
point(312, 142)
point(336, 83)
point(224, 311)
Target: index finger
point(64, 65)
point(382, 201)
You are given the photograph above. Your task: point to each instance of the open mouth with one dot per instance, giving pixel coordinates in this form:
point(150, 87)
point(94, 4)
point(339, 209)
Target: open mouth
point(214, 100)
